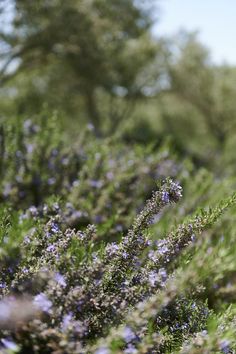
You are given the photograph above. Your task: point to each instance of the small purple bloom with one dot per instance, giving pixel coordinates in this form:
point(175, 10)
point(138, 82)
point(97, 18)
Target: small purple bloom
point(152, 255)
point(55, 228)
point(30, 148)
point(140, 239)
point(90, 127)
point(110, 176)
point(153, 278)
point(33, 210)
point(130, 349)
point(96, 184)
point(42, 302)
point(30, 127)
point(65, 161)
point(125, 255)
point(98, 219)
point(163, 249)
point(102, 350)
point(51, 181)
point(9, 344)
point(77, 214)
point(163, 274)
point(66, 321)
point(25, 270)
point(7, 189)
point(10, 270)
point(60, 279)
point(119, 228)
point(165, 197)
point(128, 334)
point(5, 311)
point(51, 248)
point(112, 249)
point(225, 346)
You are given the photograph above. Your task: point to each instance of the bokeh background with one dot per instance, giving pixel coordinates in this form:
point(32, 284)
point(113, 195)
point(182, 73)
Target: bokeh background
point(143, 70)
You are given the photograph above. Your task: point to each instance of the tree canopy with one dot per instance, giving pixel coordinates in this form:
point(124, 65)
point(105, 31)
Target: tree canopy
point(72, 50)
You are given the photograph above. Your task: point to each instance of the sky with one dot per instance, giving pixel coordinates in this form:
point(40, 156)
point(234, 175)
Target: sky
point(215, 20)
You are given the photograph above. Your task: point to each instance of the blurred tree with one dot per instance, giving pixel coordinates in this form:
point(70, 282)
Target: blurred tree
point(207, 88)
point(65, 52)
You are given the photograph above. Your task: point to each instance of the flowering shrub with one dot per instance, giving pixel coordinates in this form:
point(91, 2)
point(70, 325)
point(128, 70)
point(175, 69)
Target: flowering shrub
point(102, 183)
point(96, 269)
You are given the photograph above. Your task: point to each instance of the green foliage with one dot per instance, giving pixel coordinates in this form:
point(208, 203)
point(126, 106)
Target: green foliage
point(98, 270)
point(78, 39)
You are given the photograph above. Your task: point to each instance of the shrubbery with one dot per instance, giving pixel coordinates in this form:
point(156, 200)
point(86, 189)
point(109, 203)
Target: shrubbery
point(93, 261)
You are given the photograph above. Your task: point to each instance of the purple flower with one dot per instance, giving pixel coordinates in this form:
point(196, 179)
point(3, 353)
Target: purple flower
point(10, 270)
point(98, 219)
point(66, 321)
point(25, 270)
point(140, 239)
point(96, 184)
point(5, 311)
point(30, 127)
point(163, 274)
point(130, 349)
point(65, 161)
point(90, 127)
point(42, 302)
point(110, 176)
point(80, 304)
point(7, 189)
point(128, 334)
point(162, 247)
point(175, 190)
point(152, 255)
point(165, 197)
point(112, 249)
point(77, 214)
point(102, 350)
point(51, 181)
point(125, 255)
point(60, 279)
point(225, 346)
point(19, 153)
point(119, 228)
point(30, 148)
point(54, 152)
point(55, 228)
point(33, 210)
point(9, 344)
point(56, 206)
point(51, 248)
point(153, 278)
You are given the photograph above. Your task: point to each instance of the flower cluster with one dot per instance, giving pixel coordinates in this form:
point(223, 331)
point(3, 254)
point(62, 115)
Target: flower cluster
point(78, 277)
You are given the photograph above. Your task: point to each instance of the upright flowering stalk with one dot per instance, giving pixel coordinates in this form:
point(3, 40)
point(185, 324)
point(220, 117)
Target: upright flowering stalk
point(126, 255)
point(169, 192)
point(111, 295)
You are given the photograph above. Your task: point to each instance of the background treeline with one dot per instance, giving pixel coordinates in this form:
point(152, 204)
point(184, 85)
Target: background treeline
point(99, 62)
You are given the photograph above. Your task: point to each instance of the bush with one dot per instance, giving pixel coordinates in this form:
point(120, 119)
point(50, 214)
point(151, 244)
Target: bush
point(87, 266)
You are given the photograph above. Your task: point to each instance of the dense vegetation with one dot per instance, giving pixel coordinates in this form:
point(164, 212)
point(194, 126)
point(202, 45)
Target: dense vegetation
point(117, 185)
